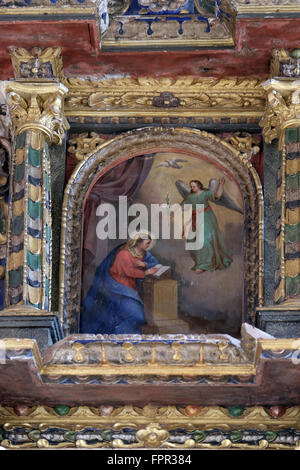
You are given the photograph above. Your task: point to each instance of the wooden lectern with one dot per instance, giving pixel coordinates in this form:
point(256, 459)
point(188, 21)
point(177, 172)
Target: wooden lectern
point(160, 298)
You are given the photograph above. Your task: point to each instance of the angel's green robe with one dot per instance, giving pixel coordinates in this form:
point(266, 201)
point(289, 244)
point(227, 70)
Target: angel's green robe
point(214, 254)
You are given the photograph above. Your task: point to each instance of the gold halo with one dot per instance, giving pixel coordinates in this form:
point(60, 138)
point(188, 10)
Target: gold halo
point(146, 233)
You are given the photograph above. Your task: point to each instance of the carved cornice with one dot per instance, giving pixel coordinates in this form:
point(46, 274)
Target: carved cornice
point(181, 96)
point(83, 144)
point(38, 106)
point(283, 108)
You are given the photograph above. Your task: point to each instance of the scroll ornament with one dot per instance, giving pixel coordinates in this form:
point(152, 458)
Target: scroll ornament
point(40, 111)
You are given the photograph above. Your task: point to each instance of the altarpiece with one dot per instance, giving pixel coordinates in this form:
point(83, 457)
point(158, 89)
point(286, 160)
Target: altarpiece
point(130, 341)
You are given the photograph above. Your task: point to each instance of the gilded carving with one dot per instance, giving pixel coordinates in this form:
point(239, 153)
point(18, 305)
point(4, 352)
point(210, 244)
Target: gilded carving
point(265, 6)
point(185, 353)
point(133, 142)
point(43, 3)
point(5, 152)
point(167, 23)
point(148, 96)
point(152, 436)
point(133, 427)
point(37, 63)
point(283, 108)
point(83, 364)
point(244, 142)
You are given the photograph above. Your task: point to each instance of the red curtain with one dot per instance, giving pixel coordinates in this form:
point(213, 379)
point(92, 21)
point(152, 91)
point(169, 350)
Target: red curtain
point(123, 180)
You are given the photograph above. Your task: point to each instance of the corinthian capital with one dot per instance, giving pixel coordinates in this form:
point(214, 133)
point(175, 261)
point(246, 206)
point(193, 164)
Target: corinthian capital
point(282, 108)
point(38, 106)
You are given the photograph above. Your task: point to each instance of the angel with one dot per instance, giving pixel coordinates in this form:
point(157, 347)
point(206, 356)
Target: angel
point(214, 253)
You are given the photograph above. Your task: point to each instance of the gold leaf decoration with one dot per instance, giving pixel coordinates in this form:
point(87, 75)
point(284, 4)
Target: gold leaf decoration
point(152, 436)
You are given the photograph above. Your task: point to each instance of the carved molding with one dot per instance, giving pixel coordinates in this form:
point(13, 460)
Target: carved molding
point(244, 142)
point(38, 106)
point(181, 96)
point(156, 23)
point(128, 427)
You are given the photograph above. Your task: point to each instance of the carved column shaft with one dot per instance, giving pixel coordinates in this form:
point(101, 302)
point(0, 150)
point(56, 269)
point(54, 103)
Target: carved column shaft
point(36, 112)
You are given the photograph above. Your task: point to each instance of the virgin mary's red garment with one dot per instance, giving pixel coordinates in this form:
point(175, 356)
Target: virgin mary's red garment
point(125, 269)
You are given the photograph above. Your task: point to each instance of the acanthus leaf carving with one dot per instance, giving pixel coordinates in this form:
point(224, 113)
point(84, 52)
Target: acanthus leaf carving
point(83, 144)
point(178, 94)
point(283, 108)
point(38, 106)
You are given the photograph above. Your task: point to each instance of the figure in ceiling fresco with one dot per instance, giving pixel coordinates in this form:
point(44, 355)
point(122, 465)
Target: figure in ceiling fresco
point(113, 304)
point(214, 254)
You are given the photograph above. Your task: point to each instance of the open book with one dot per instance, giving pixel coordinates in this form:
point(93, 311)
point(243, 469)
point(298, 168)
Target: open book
point(161, 270)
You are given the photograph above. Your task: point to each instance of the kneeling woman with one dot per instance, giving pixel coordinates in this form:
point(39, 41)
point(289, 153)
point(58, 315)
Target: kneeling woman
point(113, 304)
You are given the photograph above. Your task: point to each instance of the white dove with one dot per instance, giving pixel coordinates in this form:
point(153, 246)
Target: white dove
point(172, 163)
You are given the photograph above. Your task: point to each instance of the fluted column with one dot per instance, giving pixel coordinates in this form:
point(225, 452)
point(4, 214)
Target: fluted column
point(37, 120)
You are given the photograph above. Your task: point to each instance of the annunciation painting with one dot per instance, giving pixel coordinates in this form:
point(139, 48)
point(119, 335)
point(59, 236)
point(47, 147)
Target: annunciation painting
point(163, 248)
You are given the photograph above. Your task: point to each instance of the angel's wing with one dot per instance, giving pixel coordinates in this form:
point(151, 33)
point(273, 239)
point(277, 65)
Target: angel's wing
point(225, 200)
point(182, 188)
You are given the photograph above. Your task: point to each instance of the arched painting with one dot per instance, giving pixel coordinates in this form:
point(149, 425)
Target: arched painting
point(138, 277)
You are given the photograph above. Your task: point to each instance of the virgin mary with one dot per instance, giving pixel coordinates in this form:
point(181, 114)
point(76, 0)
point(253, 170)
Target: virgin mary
point(113, 304)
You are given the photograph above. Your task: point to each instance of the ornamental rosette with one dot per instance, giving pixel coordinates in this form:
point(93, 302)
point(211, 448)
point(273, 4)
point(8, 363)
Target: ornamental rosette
point(152, 436)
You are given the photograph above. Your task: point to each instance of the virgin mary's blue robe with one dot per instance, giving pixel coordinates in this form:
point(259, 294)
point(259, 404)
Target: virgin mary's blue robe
point(110, 307)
